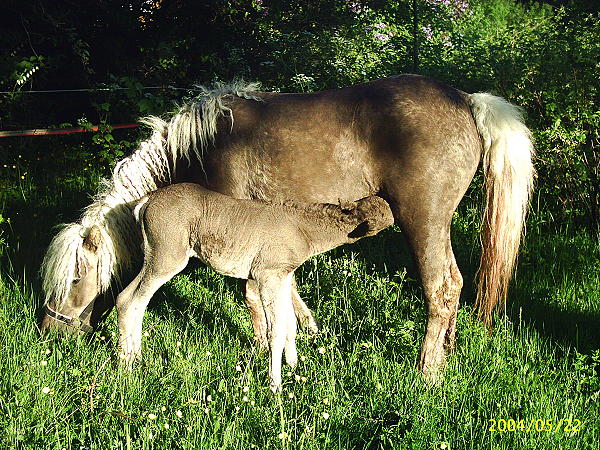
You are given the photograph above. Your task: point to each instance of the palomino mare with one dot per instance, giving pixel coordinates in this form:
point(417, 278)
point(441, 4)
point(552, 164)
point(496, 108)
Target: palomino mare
point(409, 139)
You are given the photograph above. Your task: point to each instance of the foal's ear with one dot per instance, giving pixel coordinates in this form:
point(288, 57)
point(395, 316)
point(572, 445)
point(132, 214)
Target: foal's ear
point(347, 207)
point(93, 239)
point(363, 229)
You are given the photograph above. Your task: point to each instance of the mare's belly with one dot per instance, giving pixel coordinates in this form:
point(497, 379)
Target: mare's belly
point(323, 172)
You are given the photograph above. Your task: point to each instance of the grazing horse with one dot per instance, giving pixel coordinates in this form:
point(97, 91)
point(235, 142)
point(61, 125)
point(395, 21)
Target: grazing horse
point(409, 139)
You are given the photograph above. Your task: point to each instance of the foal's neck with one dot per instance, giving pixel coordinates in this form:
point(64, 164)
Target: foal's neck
point(323, 234)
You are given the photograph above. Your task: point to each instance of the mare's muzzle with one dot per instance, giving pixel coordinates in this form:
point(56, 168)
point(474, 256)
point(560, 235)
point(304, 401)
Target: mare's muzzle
point(73, 322)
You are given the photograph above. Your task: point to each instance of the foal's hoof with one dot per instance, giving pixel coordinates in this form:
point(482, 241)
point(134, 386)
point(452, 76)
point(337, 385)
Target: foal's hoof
point(291, 358)
point(310, 326)
point(262, 343)
point(127, 360)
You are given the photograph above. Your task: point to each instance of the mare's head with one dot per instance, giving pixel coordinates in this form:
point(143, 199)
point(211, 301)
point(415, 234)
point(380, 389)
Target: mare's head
point(371, 214)
point(72, 280)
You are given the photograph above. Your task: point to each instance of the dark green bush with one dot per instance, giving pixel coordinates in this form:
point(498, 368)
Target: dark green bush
point(540, 56)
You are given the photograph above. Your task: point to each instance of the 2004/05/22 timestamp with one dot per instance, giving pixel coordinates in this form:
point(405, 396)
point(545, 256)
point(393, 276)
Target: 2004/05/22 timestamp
point(535, 425)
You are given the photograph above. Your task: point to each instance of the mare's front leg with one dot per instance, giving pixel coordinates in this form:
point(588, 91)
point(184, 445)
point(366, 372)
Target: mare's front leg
point(132, 302)
point(275, 289)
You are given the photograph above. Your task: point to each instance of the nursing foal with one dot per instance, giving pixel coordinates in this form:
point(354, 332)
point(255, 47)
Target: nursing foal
point(249, 239)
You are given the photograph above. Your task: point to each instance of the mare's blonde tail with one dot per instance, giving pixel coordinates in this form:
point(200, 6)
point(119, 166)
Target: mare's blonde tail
point(509, 174)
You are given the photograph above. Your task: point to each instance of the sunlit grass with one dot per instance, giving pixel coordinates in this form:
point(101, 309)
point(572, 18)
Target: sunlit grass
point(202, 384)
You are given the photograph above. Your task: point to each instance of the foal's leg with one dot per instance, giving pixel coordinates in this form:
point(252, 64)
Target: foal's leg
point(275, 291)
point(442, 283)
point(132, 302)
point(291, 353)
point(303, 313)
point(257, 314)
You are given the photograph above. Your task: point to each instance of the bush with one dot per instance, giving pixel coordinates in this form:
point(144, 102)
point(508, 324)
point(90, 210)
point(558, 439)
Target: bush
point(541, 57)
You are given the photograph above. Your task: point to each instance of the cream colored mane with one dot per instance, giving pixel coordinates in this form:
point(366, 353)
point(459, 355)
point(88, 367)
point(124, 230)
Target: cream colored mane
point(187, 134)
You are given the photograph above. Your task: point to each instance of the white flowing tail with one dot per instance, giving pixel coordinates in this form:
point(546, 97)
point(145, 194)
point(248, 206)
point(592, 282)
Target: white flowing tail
point(509, 174)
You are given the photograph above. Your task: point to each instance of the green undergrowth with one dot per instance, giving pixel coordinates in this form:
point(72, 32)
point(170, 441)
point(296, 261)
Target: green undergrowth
point(202, 384)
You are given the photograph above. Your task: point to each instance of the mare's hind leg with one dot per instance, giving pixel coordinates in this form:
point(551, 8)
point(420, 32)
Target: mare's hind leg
point(132, 302)
point(442, 283)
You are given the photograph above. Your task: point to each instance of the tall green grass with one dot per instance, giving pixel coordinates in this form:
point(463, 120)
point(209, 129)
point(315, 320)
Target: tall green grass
point(202, 384)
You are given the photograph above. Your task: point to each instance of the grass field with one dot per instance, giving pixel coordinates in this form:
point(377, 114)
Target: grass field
point(202, 384)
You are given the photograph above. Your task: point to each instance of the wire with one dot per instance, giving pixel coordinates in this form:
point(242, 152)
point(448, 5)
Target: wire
point(42, 132)
point(48, 132)
point(97, 90)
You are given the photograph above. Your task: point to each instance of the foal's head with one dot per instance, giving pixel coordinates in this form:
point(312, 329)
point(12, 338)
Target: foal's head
point(78, 309)
point(371, 214)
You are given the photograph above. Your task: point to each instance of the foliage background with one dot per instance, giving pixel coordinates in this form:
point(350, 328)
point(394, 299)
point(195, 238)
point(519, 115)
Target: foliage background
point(543, 56)
point(542, 363)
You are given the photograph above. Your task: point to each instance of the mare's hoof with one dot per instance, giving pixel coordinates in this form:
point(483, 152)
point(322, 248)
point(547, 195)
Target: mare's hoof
point(434, 376)
point(432, 365)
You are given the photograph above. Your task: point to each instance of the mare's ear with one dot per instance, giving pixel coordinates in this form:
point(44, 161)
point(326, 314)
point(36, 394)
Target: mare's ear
point(362, 230)
point(93, 239)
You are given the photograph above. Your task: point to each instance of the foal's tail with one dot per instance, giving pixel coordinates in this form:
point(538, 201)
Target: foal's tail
point(509, 175)
point(138, 211)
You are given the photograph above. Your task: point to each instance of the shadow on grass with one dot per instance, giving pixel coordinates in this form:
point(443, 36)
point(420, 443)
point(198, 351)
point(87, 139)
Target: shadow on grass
point(214, 316)
point(556, 290)
point(569, 329)
point(35, 209)
point(377, 431)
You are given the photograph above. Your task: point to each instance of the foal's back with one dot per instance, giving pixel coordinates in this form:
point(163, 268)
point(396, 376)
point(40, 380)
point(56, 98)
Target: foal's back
point(186, 219)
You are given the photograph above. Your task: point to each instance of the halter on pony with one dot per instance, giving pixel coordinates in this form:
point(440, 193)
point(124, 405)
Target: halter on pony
point(73, 322)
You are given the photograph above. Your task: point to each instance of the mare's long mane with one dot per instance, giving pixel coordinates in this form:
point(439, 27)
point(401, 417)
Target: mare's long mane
point(152, 165)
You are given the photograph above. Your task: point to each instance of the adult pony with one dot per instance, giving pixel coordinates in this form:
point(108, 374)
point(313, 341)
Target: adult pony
point(409, 139)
